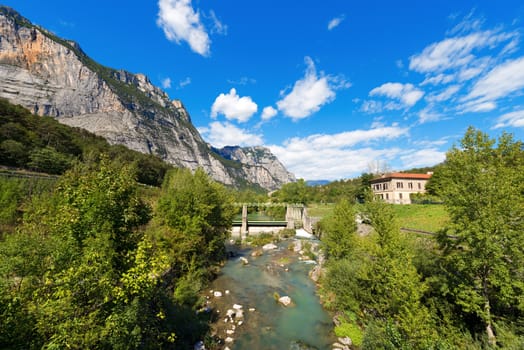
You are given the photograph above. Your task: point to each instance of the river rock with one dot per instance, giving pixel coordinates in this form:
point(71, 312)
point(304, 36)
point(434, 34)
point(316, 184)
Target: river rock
point(269, 246)
point(217, 294)
point(336, 320)
point(345, 340)
point(228, 340)
point(338, 346)
point(285, 300)
point(256, 253)
point(315, 273)
point(244, 260)
point(237, 306)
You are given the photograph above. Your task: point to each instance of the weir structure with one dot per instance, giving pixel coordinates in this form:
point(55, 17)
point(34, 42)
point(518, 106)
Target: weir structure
point(296, 217)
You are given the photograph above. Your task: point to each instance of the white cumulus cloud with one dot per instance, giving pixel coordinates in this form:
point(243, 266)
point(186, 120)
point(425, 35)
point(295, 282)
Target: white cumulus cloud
point(180, 22)
point(310, 93)
point(336, 156)
point(166, 83)
point(233, 106)
point(422, 157)
point(335, 22)
point(512, 119)
point(226, 134)
point(268, 113)
point(405, 93)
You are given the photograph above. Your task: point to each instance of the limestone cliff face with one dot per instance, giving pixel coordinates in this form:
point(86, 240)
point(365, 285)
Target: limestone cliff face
point(259, 164)
point(54, 77)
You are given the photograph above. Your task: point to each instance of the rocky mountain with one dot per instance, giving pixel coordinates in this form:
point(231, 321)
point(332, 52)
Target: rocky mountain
point(54, 77)
point(259, 164)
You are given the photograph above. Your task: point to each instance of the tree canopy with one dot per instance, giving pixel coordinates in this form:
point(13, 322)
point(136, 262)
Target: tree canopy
point(93, 265)
point(394, 291)
point(482, 184)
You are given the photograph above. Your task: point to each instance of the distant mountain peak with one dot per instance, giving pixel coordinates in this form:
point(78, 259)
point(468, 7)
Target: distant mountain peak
point(52, 76)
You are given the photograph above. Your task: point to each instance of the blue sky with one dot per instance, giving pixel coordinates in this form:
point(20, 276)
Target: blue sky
point(333, 88)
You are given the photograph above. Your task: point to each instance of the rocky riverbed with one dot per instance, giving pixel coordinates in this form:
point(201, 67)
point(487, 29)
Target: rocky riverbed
point(264, 299)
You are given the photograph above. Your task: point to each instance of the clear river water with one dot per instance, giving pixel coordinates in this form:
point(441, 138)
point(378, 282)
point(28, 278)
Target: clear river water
point(302, 325)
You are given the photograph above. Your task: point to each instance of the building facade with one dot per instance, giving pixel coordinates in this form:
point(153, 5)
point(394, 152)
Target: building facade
point(396, 188)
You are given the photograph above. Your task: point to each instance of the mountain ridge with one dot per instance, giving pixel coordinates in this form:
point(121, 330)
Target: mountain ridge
point(54, 77)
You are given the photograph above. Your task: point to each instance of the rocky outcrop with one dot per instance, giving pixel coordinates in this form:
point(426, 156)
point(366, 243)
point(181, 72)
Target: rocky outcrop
point(260, 165)
point(54, 77)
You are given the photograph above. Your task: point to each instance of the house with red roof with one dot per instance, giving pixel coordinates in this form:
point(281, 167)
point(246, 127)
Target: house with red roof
point(396, 188)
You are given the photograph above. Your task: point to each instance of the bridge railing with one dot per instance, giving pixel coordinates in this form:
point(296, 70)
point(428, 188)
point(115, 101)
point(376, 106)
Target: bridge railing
point(269, 204)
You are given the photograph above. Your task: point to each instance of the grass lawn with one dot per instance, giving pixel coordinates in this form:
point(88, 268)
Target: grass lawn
point(320, 209)
point(425, 217)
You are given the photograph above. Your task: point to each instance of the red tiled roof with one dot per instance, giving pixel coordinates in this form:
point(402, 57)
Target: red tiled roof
point(402, 176)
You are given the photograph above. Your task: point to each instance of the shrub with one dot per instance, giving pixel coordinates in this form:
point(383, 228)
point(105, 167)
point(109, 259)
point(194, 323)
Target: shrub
point(351, 330)
point(261, 239)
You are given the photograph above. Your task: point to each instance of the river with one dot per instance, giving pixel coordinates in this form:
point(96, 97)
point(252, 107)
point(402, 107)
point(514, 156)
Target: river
point(264, 323)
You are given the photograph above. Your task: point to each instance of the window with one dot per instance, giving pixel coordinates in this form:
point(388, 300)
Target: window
point(387, 195)
point(400, 185)
point(410, 185)
point(400, 195)
point(419, 186)
point(385, 186)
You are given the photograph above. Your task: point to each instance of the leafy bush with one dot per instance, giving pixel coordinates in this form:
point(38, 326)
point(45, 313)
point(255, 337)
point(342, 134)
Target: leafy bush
point(351, 330)
point(287, 232)
point(48, 160)
point(261, 239)
point(424, 198)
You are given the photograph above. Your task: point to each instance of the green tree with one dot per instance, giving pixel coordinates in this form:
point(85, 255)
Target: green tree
point(339, 231)
point(48, 160)
point(482, 184)
point(199, 212)
point(13, 153)
point(394, 287)
point(293, 192)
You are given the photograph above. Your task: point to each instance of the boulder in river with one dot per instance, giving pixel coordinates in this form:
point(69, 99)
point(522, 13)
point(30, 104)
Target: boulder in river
point(345, 340)
point(315, 273)
point(269, 246)
point(285, 300)
point(256, 252)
